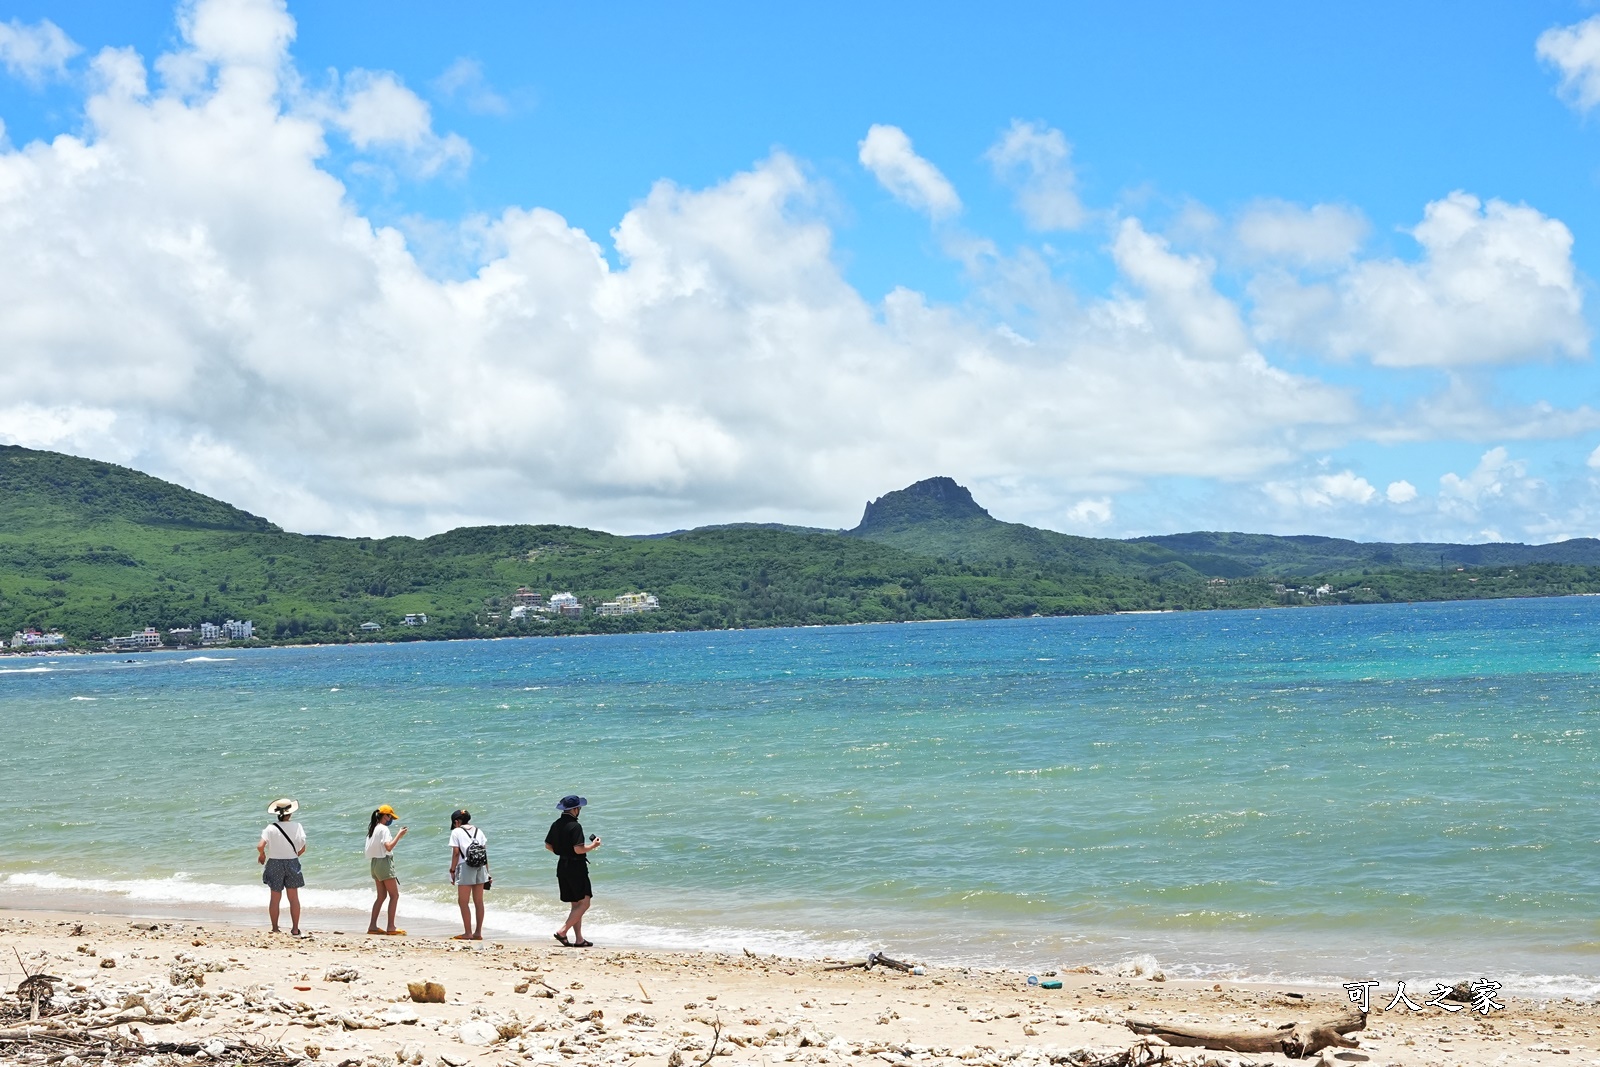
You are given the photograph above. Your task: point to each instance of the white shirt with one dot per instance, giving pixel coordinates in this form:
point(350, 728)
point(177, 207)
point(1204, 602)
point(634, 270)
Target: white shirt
point(277, 847)
point(378, 843)
point(462, 836)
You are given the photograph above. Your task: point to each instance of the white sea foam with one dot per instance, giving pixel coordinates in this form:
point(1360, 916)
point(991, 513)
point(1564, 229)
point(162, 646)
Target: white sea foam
point(84, 698)
point(210, 659)
point(525, 918)
point(26, 670)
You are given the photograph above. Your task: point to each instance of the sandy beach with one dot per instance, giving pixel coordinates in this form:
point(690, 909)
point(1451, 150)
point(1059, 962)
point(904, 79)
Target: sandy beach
point(344, 998)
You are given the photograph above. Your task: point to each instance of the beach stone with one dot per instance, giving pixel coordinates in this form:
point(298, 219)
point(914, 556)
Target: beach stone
point(477, 1032)
point(400, 1014)
point(426, 992)
point(108, 962)
point(454, 1059)
point(341, 973)
point(185, 972)
point(410, 1053)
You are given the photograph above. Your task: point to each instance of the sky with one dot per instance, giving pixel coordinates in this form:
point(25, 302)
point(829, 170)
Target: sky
point(391, 267)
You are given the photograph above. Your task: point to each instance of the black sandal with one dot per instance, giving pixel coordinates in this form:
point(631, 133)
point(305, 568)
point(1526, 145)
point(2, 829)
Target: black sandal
point(562, 940)
point(583, 944)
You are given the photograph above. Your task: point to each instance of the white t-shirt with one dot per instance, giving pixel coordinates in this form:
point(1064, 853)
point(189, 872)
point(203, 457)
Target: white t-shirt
point(461, 837)
point(378, 843)
point(277, 847)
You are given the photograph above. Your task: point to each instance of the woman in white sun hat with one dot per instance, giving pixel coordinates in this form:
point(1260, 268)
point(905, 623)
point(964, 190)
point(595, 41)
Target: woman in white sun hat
point(282, 844)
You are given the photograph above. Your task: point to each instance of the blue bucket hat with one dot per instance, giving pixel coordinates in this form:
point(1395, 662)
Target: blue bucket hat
point(571, 800)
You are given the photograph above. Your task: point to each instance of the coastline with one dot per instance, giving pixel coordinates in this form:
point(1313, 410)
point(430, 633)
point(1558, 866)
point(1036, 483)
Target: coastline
point(525, 1002)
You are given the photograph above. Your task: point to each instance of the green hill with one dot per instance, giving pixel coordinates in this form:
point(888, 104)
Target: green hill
point(97, 550)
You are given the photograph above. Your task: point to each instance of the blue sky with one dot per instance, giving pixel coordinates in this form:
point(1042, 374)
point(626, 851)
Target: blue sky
point(391, 267)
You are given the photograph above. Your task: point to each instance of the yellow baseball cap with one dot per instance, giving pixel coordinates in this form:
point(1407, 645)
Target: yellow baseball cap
point(387, 810)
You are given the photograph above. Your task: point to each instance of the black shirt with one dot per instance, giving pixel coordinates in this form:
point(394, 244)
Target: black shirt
point(566, 833)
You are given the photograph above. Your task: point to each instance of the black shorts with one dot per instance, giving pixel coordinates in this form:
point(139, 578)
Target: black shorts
point(574, 881)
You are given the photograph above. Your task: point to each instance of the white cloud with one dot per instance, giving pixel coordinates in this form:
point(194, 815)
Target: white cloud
point(376, 111)
point(465, 81)
point(1401, 492)
point(1180, 297)
point(1038, 161)
point(1319, 236)
point(886, 151)
point(1594, 459)
point(1496, 284)
point(1322, 491)
point(35, 53)
point(1497, 478)
point(1091, 511)
point(1575, 52)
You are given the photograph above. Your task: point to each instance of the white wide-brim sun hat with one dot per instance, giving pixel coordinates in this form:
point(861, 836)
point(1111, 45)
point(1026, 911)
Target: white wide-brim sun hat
point(277, 807)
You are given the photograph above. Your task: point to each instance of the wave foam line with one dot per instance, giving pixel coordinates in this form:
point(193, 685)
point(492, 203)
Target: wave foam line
point(515, 918)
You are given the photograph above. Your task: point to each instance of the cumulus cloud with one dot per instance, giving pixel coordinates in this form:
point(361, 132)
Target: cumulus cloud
point(1091, 511)
point(1497, 477)
point(886, 151)
point(1179, 295)
point(376, 111)
point(1575, 53)
point(37, 53)
point(1401, 492)
point(1319, 236)
point(1037, 161)
point(1322, 491)
point(1496, 284)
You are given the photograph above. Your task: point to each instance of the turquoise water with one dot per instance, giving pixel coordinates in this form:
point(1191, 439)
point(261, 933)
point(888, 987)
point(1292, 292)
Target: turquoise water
point(1341, 793)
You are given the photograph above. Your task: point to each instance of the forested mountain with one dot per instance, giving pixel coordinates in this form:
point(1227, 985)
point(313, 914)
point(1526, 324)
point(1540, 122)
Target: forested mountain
point(96, 550)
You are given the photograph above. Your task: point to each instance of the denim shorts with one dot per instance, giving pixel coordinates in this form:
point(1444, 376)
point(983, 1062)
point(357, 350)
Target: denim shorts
point(283, 874)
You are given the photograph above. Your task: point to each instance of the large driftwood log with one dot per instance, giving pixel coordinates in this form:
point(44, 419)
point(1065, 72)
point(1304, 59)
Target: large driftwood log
point(874, 959)
point(1305, 1037)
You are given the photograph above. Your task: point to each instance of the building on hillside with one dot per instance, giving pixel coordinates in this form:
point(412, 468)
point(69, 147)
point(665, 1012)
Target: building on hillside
point(234, 630)
point(527, 596)
point(417, 619)
point(210, 633)
point(150, 637)
point(36, 639)
point(370, 627)
point(629, 604)
point(565, 604)
point(182, 635)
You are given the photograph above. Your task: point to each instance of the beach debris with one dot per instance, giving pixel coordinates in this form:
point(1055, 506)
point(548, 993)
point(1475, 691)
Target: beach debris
point(1293, 1039)
point(426, 992)
point(108, 962)
point(477, 1032)
point(874, 959)
point(186, 973)
point(341, 973)
point(644, 993)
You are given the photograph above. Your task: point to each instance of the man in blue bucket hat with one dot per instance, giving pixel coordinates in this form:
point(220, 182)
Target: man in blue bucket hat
point(565, 839)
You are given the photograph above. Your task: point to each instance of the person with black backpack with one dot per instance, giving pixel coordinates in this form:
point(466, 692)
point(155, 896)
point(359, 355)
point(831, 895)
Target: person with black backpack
point(282, 844)
point(469, 870)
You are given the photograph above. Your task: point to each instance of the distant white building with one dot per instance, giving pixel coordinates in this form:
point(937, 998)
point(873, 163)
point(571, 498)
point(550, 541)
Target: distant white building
point(566, 604)
point(150, 637)
point(234, 630)
point(629, 604)
point(210, 633)
point(418, 619)
point(370, 627)
point(37, 639)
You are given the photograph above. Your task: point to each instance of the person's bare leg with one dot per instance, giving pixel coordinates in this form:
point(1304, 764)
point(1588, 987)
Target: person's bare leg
point(272, 910)
point(294, 910)
point(463, 900)
point(394, 900)
point(477, 901)
point(576, 919)
point(377, 906)
point(573, 915)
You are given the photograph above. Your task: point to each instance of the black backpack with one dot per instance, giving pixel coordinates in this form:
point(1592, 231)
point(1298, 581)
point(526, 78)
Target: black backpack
point(477, 854)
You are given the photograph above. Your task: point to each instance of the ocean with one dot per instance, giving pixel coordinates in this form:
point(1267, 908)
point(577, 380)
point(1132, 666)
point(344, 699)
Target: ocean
point(1328, 795)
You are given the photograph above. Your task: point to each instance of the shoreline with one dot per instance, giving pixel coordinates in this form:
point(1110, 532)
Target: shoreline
point(342, 998)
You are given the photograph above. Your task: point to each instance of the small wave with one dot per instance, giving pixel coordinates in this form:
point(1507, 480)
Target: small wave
point(26, 670)
point(83, 698)
point(210, 659)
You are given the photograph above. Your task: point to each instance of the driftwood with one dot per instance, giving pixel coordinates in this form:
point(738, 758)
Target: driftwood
point(1294, 1040)
point(874, 959)
point(111, 1047)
